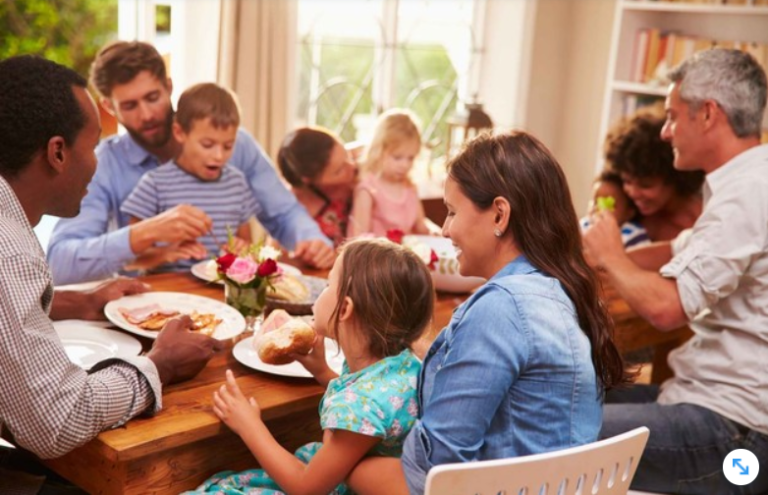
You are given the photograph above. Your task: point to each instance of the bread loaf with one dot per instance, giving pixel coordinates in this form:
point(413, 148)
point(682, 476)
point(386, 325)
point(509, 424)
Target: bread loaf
point(281, 335)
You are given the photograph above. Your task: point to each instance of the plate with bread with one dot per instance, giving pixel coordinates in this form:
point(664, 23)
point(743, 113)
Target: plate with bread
point(280, 336)
point(295, 293)
point(146, 314)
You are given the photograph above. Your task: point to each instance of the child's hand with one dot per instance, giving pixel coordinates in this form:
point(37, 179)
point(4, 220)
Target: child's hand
point(315, 362)
point(232, 407)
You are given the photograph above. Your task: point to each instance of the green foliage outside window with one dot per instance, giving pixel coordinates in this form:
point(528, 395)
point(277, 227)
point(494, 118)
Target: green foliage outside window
point(69, 32)
point(346, 67)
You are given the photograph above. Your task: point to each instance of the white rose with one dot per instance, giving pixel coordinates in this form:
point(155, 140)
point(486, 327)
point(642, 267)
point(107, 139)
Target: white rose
point(268, 253)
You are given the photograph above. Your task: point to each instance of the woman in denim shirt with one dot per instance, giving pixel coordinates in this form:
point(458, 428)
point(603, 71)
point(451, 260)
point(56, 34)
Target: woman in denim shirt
point(523, 365)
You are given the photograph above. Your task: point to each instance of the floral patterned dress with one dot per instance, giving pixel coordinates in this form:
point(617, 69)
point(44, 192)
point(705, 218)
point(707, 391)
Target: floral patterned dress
point(378, 401)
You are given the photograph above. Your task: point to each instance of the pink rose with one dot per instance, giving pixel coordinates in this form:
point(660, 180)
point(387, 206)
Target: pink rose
point(243, 270)
point(267, 268)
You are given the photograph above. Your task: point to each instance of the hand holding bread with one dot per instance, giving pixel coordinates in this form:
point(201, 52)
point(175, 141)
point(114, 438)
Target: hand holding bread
point(282, 336)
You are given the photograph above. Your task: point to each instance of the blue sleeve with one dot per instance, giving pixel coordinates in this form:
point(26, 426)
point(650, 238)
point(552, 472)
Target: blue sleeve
point(143, 201)
point(82, 248)
point(276, 207)
point(488, 350)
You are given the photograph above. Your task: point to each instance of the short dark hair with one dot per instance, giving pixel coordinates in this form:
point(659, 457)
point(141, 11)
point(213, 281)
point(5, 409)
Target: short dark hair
point(208, 101)
point(305, 153)
point(121, 61)
point(634, 147)
point(37, 102)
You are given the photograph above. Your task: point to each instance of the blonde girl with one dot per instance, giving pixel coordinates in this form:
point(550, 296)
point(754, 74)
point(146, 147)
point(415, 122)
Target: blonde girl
point(385, 198)
point(378, 301)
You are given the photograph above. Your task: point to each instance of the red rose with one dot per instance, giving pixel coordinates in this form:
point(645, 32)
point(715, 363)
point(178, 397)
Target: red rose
point(395, 235)
point(432, 259)
point(267, 268)
point(225, 261)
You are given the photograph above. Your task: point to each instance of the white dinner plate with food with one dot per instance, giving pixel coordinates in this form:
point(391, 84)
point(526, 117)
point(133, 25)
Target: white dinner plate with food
point(88, 342)
point(224, 321)
point(246, 354)
point(206, 270)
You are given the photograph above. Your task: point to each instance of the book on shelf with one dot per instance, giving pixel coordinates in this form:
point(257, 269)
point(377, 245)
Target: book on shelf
point(656, 51)
point(632, 102)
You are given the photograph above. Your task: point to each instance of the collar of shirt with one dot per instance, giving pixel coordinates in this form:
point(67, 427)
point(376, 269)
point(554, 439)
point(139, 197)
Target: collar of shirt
point(11, 207)
point(135, 155)
point(518, 266)
point(733, 169)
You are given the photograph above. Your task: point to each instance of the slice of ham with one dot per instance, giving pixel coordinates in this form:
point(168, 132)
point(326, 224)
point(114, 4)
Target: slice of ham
point(141, 314)
point(276, 319)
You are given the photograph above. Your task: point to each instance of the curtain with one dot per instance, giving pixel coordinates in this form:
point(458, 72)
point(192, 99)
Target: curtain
point(256, 60)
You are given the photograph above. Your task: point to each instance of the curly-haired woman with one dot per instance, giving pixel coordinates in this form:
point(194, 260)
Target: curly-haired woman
point(667, 200)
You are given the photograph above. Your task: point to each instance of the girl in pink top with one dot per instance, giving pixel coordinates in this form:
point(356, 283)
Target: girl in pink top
point(385, 198)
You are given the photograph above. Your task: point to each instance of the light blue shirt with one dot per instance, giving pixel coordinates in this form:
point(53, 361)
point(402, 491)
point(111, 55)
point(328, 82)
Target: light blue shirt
point(95, 244)
point(510, 375)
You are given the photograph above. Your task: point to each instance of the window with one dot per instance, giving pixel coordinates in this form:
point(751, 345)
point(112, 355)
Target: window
point(357, 59)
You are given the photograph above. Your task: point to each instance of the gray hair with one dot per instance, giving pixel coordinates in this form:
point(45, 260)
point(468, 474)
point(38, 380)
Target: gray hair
point(731, 78)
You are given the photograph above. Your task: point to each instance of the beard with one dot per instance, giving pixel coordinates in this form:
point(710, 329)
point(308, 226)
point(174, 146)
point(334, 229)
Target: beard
point(157, 140)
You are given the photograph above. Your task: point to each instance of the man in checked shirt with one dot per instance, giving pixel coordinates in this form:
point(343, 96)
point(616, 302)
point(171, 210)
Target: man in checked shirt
point(49, 128)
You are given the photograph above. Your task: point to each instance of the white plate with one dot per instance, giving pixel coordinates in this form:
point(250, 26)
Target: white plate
point(87, 342)
point(206, 270)
point(247, 355)
point(232, 325)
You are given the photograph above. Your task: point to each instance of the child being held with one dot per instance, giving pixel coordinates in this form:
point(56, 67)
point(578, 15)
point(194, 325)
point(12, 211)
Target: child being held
point(608, 194)
point(386, 199)
point(378, 302)
point(206, 125)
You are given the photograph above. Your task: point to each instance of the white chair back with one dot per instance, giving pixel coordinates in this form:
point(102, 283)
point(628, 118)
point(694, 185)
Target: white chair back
point(605, 467)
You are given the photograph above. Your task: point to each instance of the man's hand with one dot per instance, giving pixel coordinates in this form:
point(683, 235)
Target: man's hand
point(89, 305)
point(315, 253)
point(180, 223)
point(602, 240)
point(178, 353)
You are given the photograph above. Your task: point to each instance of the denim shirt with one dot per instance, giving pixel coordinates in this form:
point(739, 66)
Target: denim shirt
point(510, 375)
point(95, 244)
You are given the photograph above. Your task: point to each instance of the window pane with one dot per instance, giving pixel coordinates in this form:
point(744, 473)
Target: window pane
point(434, 46)
point(337, 60)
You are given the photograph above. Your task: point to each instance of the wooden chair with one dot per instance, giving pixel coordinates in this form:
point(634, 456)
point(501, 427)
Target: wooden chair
point(605, 467)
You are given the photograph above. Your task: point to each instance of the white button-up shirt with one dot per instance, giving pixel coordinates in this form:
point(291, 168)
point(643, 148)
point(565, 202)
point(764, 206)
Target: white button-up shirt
point(721, 271)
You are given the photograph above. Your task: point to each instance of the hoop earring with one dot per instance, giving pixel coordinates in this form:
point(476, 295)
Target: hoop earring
point(497, 232)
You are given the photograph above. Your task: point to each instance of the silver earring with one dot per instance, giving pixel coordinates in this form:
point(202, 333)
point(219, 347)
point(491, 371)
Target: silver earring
point(497, 232)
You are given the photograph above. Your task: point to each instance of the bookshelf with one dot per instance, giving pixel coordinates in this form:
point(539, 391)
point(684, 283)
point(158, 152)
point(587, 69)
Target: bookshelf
point(650, 36)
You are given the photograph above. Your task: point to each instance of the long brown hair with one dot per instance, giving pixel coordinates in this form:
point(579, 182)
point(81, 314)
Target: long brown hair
point(392, 292)
point(519, 168)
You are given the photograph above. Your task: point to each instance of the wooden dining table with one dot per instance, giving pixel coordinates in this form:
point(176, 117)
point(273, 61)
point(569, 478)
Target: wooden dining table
point(184, 443)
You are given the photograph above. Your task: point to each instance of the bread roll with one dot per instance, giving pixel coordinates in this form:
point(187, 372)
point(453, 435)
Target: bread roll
point(281, 336)
point(289, 288)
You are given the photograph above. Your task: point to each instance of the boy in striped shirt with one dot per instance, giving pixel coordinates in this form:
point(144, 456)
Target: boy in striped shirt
point(205, 124)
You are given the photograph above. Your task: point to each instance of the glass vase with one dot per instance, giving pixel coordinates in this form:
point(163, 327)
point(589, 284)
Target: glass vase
point(249, 301)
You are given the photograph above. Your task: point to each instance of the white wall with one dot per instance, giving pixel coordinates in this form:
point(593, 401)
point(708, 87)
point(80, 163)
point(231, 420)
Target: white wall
point(571, 44)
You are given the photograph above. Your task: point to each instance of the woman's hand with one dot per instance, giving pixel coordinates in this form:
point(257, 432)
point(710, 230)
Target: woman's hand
point(232, 407)
point(315, 362)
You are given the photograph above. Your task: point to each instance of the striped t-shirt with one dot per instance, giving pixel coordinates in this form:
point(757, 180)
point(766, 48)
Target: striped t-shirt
point(229, 202)
point(632, 233)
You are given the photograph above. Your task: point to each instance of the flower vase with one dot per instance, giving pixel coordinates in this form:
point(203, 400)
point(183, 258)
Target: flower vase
point(249, 301)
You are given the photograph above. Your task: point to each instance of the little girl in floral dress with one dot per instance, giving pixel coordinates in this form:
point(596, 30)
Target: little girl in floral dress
point(378, 302)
